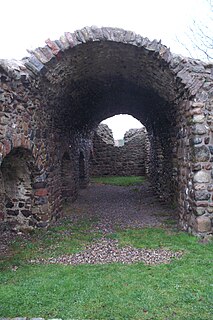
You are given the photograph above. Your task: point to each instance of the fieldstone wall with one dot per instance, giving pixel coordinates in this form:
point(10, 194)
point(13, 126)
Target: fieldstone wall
point(110, 160)
point(39, 163)
point(51, 102)
point(23, 140)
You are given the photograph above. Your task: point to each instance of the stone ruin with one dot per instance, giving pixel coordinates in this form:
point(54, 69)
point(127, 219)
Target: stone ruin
point(52, 101)
point(108, 159)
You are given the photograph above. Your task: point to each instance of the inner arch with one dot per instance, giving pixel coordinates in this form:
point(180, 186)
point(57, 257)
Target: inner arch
point(121, 123)
point(97, 80)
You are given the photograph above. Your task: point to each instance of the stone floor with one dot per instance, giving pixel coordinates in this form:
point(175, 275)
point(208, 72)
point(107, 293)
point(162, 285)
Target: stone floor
point(122, 207)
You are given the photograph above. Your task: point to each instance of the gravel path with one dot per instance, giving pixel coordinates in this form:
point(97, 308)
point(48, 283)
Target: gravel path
point(109, 207)
point(123, 207)
point(116, 207)
point(106, 251)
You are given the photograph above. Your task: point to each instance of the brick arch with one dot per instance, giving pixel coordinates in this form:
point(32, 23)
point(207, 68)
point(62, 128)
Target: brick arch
point(94, 73)
point(183, 69)
point(119, 59)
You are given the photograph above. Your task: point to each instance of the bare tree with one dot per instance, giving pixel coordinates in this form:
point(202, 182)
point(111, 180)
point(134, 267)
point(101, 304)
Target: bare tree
point(199, 36)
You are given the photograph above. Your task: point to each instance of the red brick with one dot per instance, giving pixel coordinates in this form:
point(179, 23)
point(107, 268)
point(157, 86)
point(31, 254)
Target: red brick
point(53, 46)
point(41, 192)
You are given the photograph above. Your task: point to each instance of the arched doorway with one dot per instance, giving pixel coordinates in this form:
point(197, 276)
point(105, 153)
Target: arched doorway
point(119, 147)
point(16, 191)
point(108, 76)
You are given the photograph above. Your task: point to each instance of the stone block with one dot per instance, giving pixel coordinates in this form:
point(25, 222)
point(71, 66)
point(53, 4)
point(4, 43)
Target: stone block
point(199, 211)
point(34, 64)
point(201, 177)
point(201, 153)
point(202, 195)
point(197, 104)
point(198, 118)
point(199, 129)
point(203, 224)
point(64, 42)
point(43, 58)
point(53, 46)
point(70, 39)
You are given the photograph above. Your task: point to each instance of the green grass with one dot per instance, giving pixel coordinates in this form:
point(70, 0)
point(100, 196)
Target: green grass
point(120, 181)
point(180, 290)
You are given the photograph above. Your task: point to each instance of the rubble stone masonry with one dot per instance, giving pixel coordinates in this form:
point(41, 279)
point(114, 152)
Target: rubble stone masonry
point(51, 102)
point(110, 160)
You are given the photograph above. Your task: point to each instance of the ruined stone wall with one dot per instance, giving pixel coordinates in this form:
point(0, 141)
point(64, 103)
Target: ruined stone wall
point(193, 149)
point(23, 142)
point(39, 163)
point(51, 101)
point(110, 160)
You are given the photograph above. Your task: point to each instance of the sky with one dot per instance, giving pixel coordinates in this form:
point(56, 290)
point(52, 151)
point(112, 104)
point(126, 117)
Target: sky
point(122, 123)
point(26, 24)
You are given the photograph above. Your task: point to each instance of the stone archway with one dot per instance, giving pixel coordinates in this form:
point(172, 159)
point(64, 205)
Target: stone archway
point(94, 73)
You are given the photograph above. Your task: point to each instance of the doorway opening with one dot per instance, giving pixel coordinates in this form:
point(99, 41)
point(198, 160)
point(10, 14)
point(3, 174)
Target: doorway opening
point(16, 187)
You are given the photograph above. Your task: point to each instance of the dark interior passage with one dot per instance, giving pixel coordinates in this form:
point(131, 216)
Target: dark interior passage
point(96, 80)
point(121, 207)
point(101, 79)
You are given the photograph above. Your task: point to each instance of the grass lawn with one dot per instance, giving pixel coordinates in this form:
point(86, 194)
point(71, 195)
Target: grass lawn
point(180, 290)
point(120, 181)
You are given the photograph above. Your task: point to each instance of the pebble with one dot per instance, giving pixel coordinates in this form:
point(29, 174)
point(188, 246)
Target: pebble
point(106, 251)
